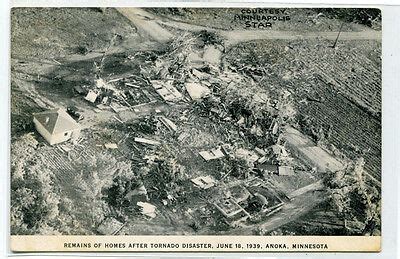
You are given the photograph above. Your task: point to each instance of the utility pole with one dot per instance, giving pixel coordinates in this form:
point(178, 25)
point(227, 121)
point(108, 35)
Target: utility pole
point(337, 37)
point(98, 67)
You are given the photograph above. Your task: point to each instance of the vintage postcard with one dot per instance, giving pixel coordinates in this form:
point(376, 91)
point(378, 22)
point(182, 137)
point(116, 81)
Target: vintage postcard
point(195, 129)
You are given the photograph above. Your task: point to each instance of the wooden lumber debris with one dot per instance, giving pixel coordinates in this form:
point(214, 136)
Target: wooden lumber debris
point(110, 145)
point(211, 154)
point(166, 90)
point(147, 141)
point(168, 123)
point(147, 209)
point(204, 182)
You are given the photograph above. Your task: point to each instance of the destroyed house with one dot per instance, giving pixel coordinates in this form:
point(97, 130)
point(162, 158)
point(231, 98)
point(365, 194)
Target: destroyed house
point(231, 209)
point(264, 200)
point(56, 126)
point(239, 193)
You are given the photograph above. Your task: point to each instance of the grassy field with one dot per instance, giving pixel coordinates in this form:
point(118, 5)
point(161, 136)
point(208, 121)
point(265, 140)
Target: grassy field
point(53, 32)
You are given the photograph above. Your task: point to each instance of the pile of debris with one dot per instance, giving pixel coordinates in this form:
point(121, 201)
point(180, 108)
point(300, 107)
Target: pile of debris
point(191, 73)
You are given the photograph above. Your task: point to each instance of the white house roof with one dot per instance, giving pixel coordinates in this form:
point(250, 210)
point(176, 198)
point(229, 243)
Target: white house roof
point(56, 121)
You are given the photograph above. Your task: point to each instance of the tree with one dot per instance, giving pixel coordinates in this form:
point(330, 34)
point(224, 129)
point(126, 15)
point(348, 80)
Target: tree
point(356, 201)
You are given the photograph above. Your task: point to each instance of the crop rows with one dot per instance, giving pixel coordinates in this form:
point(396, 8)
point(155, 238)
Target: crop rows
point(59, 164)
point(357, 79)
point(352, 128)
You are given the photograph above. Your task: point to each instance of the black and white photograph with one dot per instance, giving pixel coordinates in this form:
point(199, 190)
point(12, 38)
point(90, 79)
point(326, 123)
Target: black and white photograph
point(180, 121)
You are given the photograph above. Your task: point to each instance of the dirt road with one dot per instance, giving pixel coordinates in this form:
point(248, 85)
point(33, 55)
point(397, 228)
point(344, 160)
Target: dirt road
point(237, 36)
point(145, 24)
point(150, 24)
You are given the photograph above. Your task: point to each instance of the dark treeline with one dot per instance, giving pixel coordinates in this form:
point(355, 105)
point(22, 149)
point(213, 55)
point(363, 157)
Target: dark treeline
point(363, 16)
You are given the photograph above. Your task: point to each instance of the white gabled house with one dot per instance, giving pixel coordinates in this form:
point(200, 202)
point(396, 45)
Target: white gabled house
point(56, 126)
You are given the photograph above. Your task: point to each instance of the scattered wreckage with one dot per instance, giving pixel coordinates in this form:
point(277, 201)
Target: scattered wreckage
point(198, 80)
